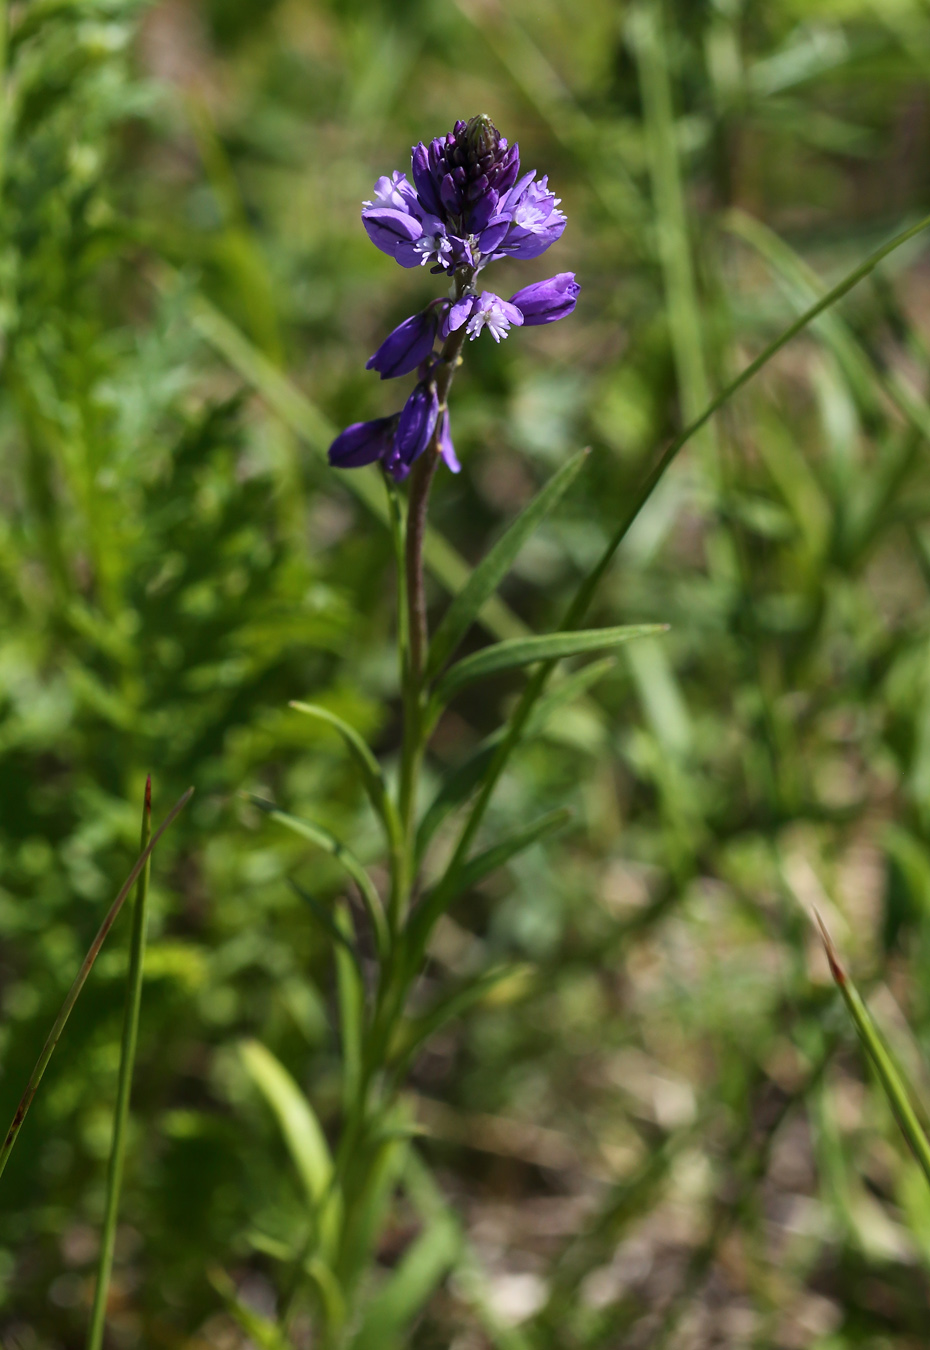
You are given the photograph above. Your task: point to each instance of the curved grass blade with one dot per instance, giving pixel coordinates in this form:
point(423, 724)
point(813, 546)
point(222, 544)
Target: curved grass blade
point(124, 1084)
point(296, 1119)
point(372, 777)
point(525, 651)
point(458, 878)
point(330, 844)
point(54, 1035)
point(888, 1074)
point(492, 569)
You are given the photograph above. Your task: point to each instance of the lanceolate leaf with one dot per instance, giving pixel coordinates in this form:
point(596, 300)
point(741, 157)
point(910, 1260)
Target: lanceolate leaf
point(407, 1290)
point(453, 883)
point(372, 777)
point(524, 651)
point(305, 1140)
point(322, 837)
point(491, 571)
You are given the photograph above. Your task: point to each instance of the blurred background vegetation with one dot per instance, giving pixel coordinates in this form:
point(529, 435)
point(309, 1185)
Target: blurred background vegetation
point(666, 1134)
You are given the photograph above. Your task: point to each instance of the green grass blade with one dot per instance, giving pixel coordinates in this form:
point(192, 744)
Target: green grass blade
point(458, 878)
point(525, 651)
point(320, 836)
point(888, 1074)
point(408, 1289)
point(124, 1084)
point(71, 998)
point(296, 1119)
point(447, 566)
point(491, 571)
point(370, 769)
point(327, 922)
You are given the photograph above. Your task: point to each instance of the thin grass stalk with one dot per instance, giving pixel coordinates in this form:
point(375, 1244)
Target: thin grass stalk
point(892, 1083)
point(54, 1036)
point(124, 1084)
point(586, 591)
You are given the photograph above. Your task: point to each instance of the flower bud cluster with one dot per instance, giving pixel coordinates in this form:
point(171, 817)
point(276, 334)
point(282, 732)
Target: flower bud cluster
point(466, 207)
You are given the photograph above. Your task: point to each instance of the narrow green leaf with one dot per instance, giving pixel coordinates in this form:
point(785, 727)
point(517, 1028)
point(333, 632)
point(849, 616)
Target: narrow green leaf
point(262, 1330)
point(525, 651)
point(409, 1288)
point(887, 1071)
point(372, 777)
point(326, 922)
point(320, 836)
point(351, 1009)
point(461, 878)
point(462, 781)
point(491, 571)
point(296, 1119)
point(416, 1031)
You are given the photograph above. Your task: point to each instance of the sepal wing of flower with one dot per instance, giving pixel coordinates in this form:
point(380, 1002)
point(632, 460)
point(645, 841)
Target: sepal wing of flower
point(466, 207)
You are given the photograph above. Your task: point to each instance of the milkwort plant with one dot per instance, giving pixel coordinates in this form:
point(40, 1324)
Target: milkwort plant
point(467, 207)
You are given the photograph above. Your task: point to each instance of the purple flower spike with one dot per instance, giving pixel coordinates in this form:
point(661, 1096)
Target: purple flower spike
point(546, 301)
point(446, 448)
point(417, 423)
point(486, 310)
point(410, 343)
point(363, 443)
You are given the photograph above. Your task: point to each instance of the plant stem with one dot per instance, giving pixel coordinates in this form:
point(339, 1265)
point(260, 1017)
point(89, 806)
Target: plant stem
point(124, 1084)
point(54, 1036)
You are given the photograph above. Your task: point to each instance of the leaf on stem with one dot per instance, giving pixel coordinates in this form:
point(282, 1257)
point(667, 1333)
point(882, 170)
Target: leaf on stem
point(319, 835)
point(370, 769)
point(491, 571)
point(462, 878)
point(407, 1290)
point(525, 651)
point(462, 781)
point(296, 1119)
point(889, 1076)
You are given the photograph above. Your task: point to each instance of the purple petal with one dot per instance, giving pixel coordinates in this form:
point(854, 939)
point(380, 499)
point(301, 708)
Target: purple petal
point(546, 301)
point(446, 448)
point(410, 343)
point(417, 423)
point(423, 179)
point(362, 443)
point(390, 230)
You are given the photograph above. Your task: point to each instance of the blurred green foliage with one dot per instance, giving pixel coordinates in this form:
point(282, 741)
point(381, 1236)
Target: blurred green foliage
point(665, 1136)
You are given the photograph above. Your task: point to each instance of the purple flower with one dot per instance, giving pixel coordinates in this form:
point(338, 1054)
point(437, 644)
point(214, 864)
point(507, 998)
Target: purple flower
point(546, 301)
point(486, 310)
point(462, 177)
point(410, 343)
point(446, 448)
point(417, 423)
point(535, 220)
point(363, 443)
